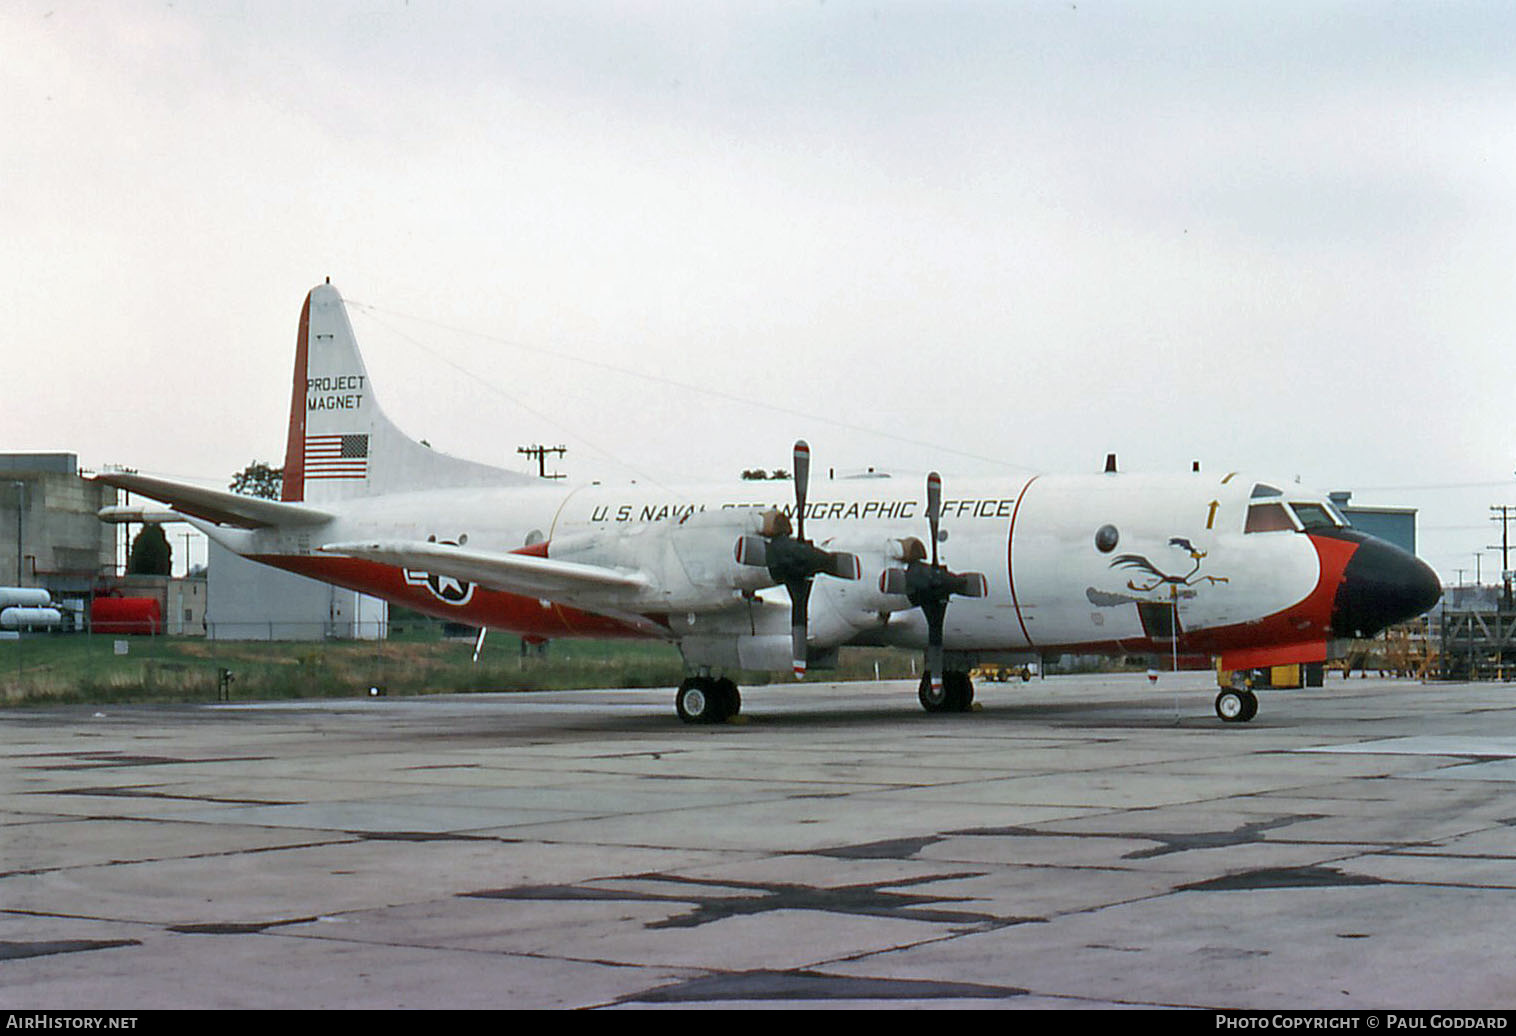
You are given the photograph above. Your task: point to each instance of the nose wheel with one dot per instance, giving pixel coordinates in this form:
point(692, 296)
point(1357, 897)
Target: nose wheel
point(1236, 706)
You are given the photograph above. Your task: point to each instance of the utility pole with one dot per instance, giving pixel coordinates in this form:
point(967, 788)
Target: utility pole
point(540, 452)
point(20, 487)
point(1503, 516)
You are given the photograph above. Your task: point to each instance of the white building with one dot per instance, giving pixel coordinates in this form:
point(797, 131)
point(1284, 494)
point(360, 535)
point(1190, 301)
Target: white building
point(249, 601)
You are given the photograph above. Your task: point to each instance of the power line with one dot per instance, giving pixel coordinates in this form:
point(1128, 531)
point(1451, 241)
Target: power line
point(707, 391)
point(497, 390)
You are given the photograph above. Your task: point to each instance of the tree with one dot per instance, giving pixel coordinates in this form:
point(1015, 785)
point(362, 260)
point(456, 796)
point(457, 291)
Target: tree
point(151, 555)
point(259, 479)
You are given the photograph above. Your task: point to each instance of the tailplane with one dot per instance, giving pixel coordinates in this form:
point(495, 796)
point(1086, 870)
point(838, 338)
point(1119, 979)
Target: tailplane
point(341, 445)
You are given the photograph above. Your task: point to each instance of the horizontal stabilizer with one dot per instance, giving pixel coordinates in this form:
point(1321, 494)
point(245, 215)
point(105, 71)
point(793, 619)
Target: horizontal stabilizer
point(524, 574)
point(137, 515)
point(217, 505)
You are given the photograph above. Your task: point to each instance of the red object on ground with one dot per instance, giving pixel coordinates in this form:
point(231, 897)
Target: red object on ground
point(126, 615)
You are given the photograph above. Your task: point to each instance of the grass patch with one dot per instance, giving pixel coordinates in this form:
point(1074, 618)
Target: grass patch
point(85, 669)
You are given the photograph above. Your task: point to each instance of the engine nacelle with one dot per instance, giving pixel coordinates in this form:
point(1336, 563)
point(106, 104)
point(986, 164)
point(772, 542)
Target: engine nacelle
point(840, 611)
point(690, 561)
point(755, 636)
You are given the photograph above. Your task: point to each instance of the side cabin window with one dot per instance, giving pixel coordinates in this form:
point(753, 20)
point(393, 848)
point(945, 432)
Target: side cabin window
point(1270, 517)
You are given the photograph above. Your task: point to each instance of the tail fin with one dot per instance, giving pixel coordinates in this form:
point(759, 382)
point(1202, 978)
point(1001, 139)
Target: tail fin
point(340, 443)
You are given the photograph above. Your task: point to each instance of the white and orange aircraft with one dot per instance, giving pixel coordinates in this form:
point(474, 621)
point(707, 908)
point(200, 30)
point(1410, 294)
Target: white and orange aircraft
point(1257, 573)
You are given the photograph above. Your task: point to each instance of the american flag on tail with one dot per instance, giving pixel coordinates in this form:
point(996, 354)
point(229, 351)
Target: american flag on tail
point(336, 456)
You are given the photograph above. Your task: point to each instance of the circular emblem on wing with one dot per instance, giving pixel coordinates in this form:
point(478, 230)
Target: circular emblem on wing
point(453, 591)
point(449, 589)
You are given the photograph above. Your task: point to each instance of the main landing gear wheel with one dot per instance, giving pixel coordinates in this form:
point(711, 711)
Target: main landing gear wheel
point(1236, 706)
point(729, 697)
point(955, 695)
point(701, 699)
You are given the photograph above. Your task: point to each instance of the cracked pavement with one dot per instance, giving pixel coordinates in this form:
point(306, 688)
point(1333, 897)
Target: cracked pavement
point(1076, 842)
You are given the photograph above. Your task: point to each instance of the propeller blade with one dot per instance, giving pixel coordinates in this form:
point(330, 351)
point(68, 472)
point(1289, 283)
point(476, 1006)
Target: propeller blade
point(843, 565)
point(800, 595)
point(934, 508)
point(753, 550)
point(934, 665)
point(802, 484)
point(971, 584)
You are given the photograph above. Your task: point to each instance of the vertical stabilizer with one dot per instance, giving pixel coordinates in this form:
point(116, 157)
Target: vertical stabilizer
point(340, 443)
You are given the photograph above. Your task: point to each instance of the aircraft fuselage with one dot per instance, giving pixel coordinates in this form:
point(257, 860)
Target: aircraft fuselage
point(1098, 562)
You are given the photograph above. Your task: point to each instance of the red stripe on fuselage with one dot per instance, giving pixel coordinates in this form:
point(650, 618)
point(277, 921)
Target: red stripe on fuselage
point(524, 615)
point(294, 445)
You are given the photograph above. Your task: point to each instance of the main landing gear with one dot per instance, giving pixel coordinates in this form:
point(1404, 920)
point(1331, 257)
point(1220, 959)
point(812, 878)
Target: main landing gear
point(1236, 705)
point(706, 699)
point(955, 695)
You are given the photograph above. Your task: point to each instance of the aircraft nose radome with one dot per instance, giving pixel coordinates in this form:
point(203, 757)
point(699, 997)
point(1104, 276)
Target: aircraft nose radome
point(1382, 585)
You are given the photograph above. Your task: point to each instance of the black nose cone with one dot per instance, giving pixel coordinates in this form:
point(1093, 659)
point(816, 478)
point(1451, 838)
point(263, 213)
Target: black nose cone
point(1382, 585)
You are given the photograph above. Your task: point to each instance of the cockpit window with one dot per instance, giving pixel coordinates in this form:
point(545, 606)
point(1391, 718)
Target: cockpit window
point(1263, 489)
point(1313, 516)
point(1268, 518)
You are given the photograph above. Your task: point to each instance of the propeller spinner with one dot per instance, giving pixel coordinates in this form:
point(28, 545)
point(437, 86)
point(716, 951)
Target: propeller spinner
point(793, 560)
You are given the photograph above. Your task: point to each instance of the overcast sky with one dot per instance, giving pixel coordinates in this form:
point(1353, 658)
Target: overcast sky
point(979, 237)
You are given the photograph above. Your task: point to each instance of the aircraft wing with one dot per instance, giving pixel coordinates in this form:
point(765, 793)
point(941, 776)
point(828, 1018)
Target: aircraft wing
point(523, 574)
point(217, 505)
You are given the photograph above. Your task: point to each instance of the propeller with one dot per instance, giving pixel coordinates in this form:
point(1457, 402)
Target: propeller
point(929, 585)
point(793, 560)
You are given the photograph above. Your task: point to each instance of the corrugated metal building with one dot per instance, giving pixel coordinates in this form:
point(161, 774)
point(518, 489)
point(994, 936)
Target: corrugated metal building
point(1396, 525)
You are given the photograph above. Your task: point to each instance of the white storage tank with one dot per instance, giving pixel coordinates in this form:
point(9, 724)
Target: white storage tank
point(24, 597)
point(19, 618)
